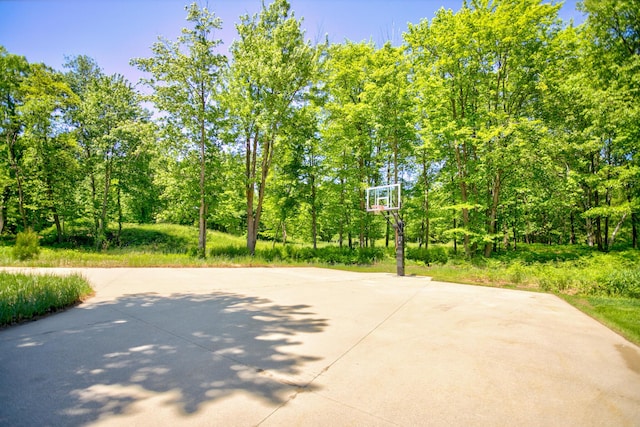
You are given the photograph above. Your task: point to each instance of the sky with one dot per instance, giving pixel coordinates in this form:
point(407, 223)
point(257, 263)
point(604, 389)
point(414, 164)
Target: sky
point(114, 31)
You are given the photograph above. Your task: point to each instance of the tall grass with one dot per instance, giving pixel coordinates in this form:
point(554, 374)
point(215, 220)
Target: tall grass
point(23, 296)
point(563, 269)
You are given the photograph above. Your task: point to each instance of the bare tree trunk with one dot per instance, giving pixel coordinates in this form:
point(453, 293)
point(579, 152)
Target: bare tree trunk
point(425, 214)
point(202, 219)
point(615, 231)
point(284, 233)
point(464, 199)
point(251, 155)
point(13, 162)
point(634, 230)
point(314, 213)
point(2, 207)
point(119, 217)
point(493, 215)
point(254, 214)
point(102, 225)
point(94, 198)
point(455, 238)
point(346, 215)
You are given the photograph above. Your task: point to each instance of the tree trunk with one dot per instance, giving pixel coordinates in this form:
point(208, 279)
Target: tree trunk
point(493, 214)
point(202, 220)
point(94, 198)
point(2, 206)
point(505, 236)
point(102, 225)
point(314, 213)
point(589, 229)
point(54, 211)
point(13, 162)
point(346, 214)
point(455, 238)
point(634, 230)
point(425, 213)
point(119, 216)
point(250, 176)
point(253, 215)
point(615, 231)
point(464, 199)
point(284, 233)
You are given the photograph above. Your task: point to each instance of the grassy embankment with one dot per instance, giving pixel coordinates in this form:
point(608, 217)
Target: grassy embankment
point(605, 286)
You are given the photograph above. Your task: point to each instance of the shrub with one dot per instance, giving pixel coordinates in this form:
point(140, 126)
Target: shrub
point(557, 279)
point(269, 255)
point(328, 254)
point(436, 255)
point(26, 246)
point(516, 272)
point(622, 283)
point(230, 251)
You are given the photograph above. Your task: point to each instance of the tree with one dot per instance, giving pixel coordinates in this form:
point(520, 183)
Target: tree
point(13, 69)
point(112, 130)
point(388, 95)
point(272, 68)
point(50, 154)
point(480, 69)
point(187, 78)
point(348, 129)
point(611, 70)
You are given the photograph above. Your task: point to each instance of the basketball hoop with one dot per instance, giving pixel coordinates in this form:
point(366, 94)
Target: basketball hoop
point(387, 200)
point(383, 198)
point(378, 208)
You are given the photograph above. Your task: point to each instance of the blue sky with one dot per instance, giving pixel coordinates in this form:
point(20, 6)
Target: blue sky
point(114, 31)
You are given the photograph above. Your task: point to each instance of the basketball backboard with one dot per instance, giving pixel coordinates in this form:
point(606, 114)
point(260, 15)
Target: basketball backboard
point(383, 198)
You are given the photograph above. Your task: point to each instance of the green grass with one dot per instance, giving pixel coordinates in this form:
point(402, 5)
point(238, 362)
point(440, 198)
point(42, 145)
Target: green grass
point(24, 296)
point(571, 271)
point(622, 315)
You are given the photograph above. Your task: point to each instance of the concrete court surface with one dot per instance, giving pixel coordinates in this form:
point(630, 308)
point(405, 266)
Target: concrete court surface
point(308, 346)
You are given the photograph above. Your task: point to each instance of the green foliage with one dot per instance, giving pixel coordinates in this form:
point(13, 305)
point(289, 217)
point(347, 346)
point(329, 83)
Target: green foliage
point(325, 255)
point(27, 245)
point(23, 296)
point(432, 255)
point(621, 283)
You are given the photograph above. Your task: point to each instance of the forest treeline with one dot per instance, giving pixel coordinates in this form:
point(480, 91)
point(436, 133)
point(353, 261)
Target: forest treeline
point(503, 124)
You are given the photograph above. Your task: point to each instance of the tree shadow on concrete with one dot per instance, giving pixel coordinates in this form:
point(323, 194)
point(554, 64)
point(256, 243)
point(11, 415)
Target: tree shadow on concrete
point(195, 348)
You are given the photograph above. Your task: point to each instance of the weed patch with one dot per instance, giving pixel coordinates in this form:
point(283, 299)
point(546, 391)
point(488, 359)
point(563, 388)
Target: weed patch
point(24, 296)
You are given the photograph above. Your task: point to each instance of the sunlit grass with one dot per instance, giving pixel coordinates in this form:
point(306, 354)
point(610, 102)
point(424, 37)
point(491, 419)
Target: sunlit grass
point(24, 296)
point(619, 314)
point(564, 270)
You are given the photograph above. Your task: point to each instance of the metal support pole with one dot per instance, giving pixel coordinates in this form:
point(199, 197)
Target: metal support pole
point(399, 226)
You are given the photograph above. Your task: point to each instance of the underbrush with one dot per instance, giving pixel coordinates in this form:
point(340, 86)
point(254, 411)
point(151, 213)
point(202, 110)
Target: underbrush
point(24, 296)
point(299, 254)
point(604, 274)
point(569, 269)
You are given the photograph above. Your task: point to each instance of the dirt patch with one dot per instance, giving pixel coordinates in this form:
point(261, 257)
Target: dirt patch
point(631, 356)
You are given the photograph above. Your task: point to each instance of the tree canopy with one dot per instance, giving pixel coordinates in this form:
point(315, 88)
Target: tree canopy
point(503, 124)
